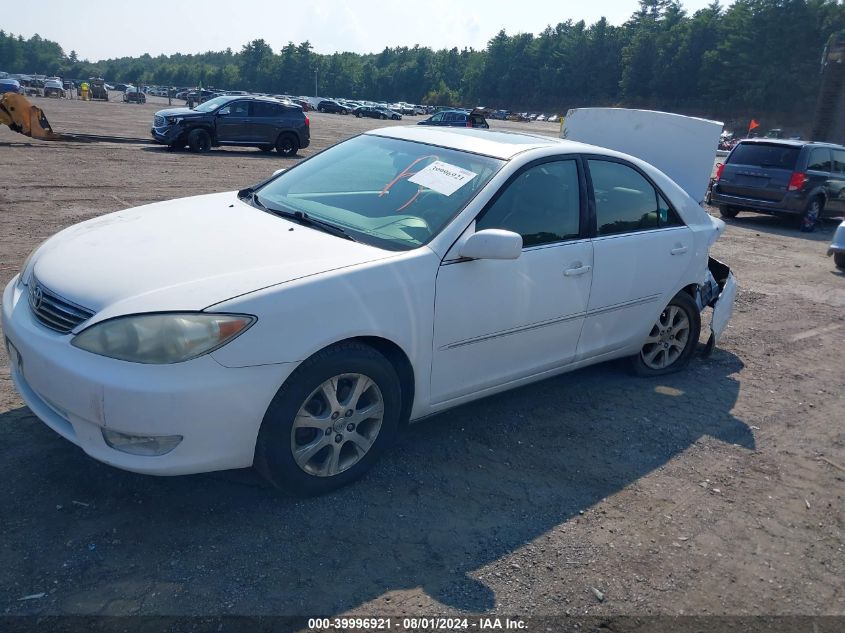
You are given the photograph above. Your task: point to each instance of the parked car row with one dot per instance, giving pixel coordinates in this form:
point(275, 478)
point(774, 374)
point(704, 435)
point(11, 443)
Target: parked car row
point(507, 115)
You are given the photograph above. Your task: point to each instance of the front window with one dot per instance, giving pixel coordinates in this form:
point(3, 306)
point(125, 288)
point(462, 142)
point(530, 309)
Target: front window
point(542, 204)
point(387, 192)
point(212, 104)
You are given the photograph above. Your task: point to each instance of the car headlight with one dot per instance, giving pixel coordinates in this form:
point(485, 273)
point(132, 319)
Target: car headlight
point(162, 338)
point(173, 120)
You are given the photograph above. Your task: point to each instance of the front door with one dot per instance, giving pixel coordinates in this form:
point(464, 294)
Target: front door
point(499, 321)
point(233, 122)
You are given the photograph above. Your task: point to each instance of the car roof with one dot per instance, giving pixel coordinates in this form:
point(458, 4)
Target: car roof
point(493, 143)
point(248, 98)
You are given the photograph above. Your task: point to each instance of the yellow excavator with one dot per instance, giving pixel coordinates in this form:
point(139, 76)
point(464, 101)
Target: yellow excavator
point(21, 116)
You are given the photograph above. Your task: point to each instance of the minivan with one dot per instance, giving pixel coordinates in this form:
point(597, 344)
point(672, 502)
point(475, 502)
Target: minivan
point(800, 178)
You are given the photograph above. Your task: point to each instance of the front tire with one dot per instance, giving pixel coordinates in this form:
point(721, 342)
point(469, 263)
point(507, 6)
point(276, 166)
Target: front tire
point(330, 421)
point(672, 339)
point(839, 260)
point(728, 212)
point(199, 141)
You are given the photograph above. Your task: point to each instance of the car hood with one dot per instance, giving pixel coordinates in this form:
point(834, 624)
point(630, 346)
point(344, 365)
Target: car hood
point(186, 254)
point(182, 112)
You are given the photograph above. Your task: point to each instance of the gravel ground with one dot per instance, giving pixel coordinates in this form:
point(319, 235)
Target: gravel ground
point(718, 490)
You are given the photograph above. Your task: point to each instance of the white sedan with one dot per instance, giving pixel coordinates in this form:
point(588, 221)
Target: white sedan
point(295, 325)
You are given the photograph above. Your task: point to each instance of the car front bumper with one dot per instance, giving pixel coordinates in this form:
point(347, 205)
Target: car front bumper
point(217, 410)
point(838, 244)
point(166, 135)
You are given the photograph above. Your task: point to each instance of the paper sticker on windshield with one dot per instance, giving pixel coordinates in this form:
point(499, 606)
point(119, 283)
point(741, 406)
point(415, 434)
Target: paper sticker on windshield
point(442, 177)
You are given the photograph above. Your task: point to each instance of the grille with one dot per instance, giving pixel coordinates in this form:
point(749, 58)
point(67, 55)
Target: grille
point(54, 312)
point(158, 121)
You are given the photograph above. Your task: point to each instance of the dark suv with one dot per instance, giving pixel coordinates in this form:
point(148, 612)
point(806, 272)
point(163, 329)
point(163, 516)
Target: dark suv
point(329, 105)
point(778, 176)
point(456, 118)
point(234, 120)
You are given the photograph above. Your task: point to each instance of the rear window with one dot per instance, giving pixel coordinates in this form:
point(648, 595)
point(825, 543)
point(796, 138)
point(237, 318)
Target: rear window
point(765, 155)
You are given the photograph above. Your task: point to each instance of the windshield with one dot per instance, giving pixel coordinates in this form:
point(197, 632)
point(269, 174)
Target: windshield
point(387, 192)
point(212, 104)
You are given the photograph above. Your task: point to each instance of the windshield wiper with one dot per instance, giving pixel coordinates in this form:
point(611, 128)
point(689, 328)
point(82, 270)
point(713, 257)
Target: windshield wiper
point(304, 218)
point(300, 217)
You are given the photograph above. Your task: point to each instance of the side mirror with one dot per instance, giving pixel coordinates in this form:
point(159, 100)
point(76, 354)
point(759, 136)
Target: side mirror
point(223, 111)
point(492, 244)
point(279, 171)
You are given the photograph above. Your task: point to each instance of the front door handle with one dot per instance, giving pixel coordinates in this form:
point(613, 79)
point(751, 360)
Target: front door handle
point(679, 250)
point(574, 272)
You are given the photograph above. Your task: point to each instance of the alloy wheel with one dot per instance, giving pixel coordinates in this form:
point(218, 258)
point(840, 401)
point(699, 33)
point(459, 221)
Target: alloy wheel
point(337, 425)
point(667, 340)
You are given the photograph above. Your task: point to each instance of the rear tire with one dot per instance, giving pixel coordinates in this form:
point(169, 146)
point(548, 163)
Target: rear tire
point(199, 141)
point(812, 214)
point(728, 212)
point(839, 260)
point(672, 340)
point(330, 421)
point(287, 145)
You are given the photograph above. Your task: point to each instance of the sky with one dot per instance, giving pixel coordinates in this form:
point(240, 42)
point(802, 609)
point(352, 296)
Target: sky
point(103, 29)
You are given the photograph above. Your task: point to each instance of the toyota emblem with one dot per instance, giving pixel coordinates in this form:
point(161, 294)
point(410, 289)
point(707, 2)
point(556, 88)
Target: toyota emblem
point(37, 297)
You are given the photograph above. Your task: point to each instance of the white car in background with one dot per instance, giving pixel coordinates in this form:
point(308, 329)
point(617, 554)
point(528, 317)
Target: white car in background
point(296, 324)
point(837, 246)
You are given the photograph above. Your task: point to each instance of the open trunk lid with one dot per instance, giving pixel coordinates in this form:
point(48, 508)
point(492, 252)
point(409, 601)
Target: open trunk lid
point(682, 147)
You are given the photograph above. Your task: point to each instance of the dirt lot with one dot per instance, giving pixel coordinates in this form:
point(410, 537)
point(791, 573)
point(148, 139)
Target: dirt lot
point(715, 491)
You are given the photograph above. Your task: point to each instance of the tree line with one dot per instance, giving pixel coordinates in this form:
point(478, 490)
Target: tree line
point(753, 58)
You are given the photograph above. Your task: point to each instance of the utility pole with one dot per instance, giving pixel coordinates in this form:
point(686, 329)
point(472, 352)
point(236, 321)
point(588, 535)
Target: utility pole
point(315, 81)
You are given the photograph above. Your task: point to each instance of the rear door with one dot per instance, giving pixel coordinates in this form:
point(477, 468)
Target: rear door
point(759, 170)
point(640, 251)
point(836, 189)
point(818, 172)
point(264, 122)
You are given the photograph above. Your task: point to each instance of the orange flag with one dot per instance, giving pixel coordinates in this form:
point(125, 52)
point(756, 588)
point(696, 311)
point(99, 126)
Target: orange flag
point(753, 124)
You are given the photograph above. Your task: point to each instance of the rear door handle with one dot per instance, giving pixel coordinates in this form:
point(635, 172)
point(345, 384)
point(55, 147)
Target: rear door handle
point(679, 250)
point(574, 272)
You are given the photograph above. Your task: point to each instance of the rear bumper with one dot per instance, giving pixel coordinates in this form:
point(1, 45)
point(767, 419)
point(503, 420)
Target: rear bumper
point(719, 296)
point(793, 204)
